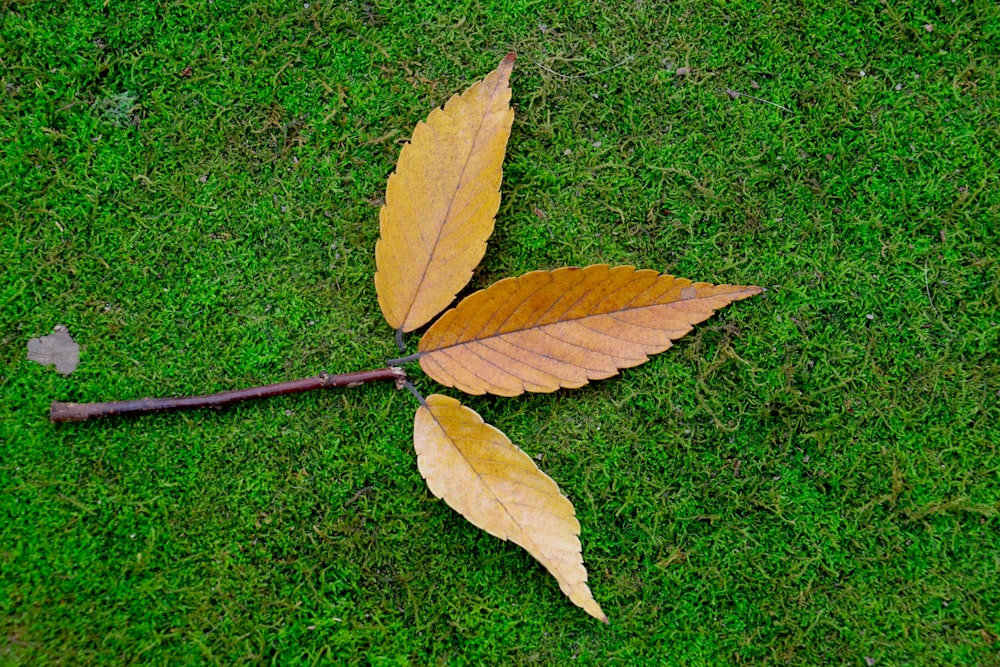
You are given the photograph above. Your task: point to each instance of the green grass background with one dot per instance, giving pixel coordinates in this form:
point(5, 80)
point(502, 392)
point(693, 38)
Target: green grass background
point(811, 477)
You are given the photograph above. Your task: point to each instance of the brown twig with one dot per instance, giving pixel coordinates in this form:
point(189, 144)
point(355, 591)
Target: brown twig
point(76, 412)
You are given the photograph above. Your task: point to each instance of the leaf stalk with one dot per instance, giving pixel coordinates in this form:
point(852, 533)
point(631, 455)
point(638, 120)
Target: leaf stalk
point(404, 360)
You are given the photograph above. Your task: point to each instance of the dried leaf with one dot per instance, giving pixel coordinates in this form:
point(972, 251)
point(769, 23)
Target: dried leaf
point(57, 349)
point(483, 476)
point(441, 201)
point(562, 328)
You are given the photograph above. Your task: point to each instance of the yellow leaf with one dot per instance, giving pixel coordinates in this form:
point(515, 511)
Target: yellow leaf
point(483, 476)
point(441, 201)
point(563, 328)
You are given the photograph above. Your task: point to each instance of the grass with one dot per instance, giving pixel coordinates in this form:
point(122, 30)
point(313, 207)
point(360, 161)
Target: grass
point(811, 477)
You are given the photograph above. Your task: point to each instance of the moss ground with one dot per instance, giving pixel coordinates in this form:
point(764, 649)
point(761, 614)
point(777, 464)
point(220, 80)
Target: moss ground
point(811, 477)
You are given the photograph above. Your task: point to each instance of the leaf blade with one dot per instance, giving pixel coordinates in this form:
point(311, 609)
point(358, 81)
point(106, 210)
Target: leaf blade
point(563, 328)
point(487, 479)
point(441, 202)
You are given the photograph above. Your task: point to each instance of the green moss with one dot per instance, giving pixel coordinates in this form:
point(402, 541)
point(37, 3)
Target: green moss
point(809, 478)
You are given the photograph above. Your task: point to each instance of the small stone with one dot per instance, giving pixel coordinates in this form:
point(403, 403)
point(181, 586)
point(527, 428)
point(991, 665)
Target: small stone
point(57, 349)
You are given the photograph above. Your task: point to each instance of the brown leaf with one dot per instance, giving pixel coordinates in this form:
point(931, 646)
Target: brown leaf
point(562, 328)
point(483, 476)
point(441, 201)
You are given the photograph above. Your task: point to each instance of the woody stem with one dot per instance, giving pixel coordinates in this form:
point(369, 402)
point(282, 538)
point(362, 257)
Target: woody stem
point(75, 412)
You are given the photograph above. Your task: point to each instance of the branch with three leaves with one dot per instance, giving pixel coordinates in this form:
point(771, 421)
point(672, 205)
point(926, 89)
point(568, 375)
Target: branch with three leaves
point(538, 332)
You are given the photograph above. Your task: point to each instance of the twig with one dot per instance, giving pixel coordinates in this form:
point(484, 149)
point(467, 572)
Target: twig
point(583, 76)
point(927, 288)
point(76, 412)
point(363, 491)
point(735, 94)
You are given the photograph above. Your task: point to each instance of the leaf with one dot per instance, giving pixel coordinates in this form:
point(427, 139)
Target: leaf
point(441, 201)
point(58, 349)
point(483, 476)
point(562, 328)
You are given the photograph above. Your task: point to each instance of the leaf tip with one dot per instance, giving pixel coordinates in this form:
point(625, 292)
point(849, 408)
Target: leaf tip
point(593, 609)
point(505, 68)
